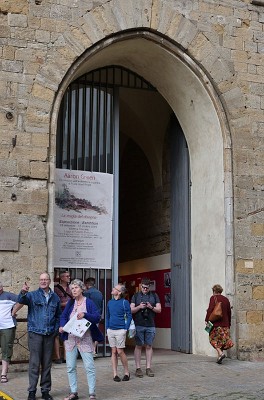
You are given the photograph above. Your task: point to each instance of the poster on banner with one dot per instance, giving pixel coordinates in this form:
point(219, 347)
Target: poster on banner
point(83, 219)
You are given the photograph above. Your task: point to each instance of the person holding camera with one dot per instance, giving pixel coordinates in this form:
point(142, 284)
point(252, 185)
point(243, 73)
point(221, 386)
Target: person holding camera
point(144, 305)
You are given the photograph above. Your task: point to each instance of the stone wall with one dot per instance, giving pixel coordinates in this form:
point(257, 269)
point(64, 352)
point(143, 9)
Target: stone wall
point(40, 40)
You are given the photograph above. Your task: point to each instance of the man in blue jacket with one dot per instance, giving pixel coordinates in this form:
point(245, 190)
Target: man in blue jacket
point(43, 325)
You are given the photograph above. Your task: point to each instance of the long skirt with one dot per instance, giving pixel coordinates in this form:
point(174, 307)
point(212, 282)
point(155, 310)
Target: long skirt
point(220, 338)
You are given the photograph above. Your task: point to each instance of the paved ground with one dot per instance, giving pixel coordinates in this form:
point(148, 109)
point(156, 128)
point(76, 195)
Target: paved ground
point(177, 376)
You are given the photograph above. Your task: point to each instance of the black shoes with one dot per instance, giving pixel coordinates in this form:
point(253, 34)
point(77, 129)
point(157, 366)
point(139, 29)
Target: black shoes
point(57, 361)
point(117, 379)
point(31, 396)
point(220, 358)
point(46, 396)
point(126, 377)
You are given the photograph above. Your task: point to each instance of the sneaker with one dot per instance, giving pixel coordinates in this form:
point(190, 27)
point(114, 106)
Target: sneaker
point(149, 372)
point(46, 396)
point(139, 373)
point(31, 395)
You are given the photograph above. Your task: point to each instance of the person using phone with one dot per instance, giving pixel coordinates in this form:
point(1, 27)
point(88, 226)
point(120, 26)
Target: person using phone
point(144, 305)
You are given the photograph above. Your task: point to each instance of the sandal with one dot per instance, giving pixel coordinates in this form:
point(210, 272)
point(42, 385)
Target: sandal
point(72, 396)
point(4, 379)
point(220, 358)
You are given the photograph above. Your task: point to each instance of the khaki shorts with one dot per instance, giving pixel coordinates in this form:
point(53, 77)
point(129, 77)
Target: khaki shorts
point(117, 338)
point(7, 337)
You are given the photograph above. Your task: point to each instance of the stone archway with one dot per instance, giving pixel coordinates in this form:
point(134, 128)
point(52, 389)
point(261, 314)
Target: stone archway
point(193, 99)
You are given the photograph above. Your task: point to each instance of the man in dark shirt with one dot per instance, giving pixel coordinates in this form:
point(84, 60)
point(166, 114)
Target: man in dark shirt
point(144, 306)
point(63, 290)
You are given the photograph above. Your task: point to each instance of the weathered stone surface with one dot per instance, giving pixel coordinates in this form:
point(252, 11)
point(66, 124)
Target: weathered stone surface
point(39, 44)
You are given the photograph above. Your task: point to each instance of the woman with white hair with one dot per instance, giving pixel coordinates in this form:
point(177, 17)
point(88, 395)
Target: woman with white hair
point(82, 307)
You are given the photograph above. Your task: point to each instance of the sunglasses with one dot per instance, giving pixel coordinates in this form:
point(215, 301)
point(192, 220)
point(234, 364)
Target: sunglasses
point(145, 287)
point(117, 289)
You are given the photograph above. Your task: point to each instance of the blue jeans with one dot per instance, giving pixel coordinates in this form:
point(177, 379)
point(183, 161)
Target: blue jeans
point(145, 335)
point(88, 362)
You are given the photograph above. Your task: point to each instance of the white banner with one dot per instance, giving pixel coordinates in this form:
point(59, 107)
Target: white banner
point(83, 219)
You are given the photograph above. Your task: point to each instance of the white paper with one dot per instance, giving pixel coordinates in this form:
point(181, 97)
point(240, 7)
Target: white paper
point(77, 327)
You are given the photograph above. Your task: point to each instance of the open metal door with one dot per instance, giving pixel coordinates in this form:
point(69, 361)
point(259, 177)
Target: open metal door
point(88, 140)
point(180, 241)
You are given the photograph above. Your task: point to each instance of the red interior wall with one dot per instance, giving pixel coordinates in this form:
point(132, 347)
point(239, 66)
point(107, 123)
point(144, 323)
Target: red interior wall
point(163, 320)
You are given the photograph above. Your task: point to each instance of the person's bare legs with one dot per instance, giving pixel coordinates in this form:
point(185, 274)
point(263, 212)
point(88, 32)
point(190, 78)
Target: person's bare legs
point(5, 365)
point(137, 356)
point(149, 352)
point(123, 359)
point(114, 360)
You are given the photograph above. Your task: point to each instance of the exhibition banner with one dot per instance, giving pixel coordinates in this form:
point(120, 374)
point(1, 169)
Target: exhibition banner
point(83, 219)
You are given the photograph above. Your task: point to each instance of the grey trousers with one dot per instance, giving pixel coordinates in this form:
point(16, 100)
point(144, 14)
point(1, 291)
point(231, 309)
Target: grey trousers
point(41, 350)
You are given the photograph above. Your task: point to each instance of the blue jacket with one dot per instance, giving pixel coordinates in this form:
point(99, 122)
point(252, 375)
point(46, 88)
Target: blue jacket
point(91, 315)
point(118, 314)
point(43, 316)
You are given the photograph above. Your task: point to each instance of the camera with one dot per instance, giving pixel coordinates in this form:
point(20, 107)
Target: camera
point(145, 313)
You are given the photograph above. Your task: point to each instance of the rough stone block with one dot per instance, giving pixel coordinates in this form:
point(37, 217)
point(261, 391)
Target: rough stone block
point(39, 170)
point(258, 292)
point(17, 20)
point(254, 317)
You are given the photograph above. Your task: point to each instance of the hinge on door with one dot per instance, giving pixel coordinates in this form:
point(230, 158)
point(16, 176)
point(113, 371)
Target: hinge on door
point(190, 257)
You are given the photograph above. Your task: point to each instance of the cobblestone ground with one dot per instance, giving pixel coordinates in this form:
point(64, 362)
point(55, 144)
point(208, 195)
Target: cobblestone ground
point(177, 376)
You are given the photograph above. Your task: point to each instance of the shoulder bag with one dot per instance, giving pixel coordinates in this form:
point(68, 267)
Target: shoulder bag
point(132, 329)
point(217, 312)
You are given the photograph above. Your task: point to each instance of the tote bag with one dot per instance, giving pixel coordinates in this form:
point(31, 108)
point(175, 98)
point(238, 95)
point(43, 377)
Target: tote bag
point(217, 312)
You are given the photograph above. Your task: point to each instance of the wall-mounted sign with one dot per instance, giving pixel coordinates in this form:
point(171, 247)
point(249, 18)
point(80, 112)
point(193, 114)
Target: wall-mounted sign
point(9, 239)
point(83, 219)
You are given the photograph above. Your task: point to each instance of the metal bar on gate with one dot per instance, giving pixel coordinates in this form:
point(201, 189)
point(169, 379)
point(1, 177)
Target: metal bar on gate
point(91, 128)
point(69, 129)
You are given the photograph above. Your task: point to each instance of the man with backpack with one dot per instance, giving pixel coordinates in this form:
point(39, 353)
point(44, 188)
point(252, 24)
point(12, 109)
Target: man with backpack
point(144, 305)
point(62, 289)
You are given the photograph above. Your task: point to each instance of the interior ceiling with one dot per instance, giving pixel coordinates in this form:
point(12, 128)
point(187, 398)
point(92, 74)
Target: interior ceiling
point(174, 80)
point(144, 117)
point(180, 89)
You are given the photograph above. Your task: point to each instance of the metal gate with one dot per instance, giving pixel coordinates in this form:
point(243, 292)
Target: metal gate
point(180, 241)
point(88, 140)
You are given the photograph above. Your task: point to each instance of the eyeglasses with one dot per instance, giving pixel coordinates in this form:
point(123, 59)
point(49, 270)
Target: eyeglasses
point(44, 280)
point(145, 287)
point(117, 289)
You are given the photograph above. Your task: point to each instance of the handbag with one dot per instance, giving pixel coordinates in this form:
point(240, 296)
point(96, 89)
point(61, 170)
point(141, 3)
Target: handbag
point(208, 327)
point(217, 312)
point(131, 330)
